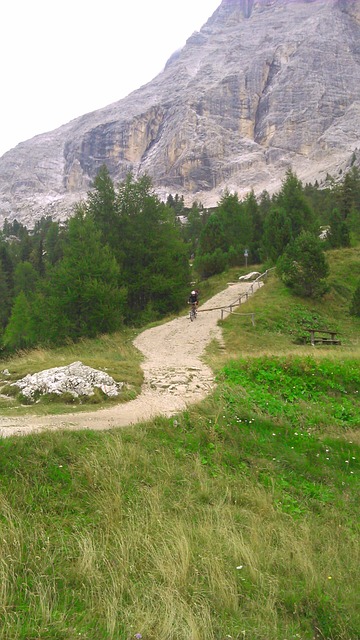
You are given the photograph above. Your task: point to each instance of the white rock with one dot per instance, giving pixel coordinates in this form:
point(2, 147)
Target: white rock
point(250, 276)
point(76, 379)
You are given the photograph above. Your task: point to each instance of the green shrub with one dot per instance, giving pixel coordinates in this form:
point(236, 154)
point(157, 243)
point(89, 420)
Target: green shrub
point(303, 267)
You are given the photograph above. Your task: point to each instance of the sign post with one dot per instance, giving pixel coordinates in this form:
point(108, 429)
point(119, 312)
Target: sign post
point(246, 253)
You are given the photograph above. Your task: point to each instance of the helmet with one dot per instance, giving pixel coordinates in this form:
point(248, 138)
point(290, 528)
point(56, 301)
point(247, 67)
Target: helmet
point(193, 293)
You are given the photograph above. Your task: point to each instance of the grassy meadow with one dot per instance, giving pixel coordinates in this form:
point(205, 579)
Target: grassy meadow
point(114, 354)
point(237, 519)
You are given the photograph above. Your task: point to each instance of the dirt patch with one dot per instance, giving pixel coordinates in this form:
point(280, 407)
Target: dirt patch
point(174, 374)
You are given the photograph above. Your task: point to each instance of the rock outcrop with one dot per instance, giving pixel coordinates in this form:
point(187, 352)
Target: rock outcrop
point(76, 379)
point(264, 85)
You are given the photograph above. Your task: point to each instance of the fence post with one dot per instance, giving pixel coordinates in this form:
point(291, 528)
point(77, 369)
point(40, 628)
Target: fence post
point(253, 319)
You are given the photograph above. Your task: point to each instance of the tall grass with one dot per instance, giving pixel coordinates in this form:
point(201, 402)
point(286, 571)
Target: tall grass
point(280, 317)
point(188, 528)
point(114, 354)
point(238, 518)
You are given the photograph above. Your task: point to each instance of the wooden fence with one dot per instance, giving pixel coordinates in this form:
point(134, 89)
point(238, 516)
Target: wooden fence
point(245, 296)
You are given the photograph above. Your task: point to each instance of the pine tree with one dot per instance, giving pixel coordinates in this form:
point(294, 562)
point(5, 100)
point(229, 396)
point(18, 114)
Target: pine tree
point(37, 256)
point(339, 235)
point(177, 204)
point(82, 296)
point(193, 227)
point(234, 229)
point(348, 194)
point(277, 233)
point(303, 267)
point(257, 226)
point(7, 262)
point(5, 303)
point(293, 201)
point(25, 278)
point(53, 244)
point(153, 257)
point(213, 235)
point(101, 205)
point(19, 331)
point(145, 239)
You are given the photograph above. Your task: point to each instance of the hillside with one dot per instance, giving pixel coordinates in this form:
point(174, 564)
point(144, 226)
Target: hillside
point(238, 517)
point(175, 375)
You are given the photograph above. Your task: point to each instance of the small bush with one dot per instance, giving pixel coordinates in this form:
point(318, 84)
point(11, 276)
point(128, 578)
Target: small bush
point(209, 264)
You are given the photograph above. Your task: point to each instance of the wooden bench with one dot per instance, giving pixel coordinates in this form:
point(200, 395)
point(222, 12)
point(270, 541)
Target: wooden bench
point(323, 336)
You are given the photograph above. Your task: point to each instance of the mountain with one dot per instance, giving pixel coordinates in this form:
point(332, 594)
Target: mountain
point(264, 85)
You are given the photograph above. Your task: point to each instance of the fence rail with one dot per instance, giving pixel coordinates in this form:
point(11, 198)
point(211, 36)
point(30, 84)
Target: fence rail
point(239, 314)
point(245, 296)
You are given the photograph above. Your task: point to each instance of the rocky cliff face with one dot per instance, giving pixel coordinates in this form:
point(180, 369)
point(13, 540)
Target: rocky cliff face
point(264, 85)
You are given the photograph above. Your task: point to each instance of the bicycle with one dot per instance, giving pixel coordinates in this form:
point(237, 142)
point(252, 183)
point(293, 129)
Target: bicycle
point(193, 312)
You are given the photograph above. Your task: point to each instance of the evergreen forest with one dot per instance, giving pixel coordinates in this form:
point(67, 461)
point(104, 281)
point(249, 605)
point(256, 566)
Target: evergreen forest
point(124, 257)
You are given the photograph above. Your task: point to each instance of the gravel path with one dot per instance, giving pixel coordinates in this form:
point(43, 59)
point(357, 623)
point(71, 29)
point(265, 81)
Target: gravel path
point(174, 374)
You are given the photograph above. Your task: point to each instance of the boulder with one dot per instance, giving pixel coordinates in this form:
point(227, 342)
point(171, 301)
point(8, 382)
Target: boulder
point(250, 276)
point(76, 379)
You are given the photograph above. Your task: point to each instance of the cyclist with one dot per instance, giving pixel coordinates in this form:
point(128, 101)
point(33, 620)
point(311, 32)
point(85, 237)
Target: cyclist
point(194, 301)
point(194, 298)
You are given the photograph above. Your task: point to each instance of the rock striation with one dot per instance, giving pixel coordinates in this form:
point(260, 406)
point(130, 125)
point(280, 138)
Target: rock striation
point(264, 85)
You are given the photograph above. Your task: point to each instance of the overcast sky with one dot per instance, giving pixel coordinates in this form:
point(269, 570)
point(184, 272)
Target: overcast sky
point(63, 58)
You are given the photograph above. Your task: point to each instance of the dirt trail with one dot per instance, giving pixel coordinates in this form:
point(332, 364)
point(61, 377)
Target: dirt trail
point(174, 374)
